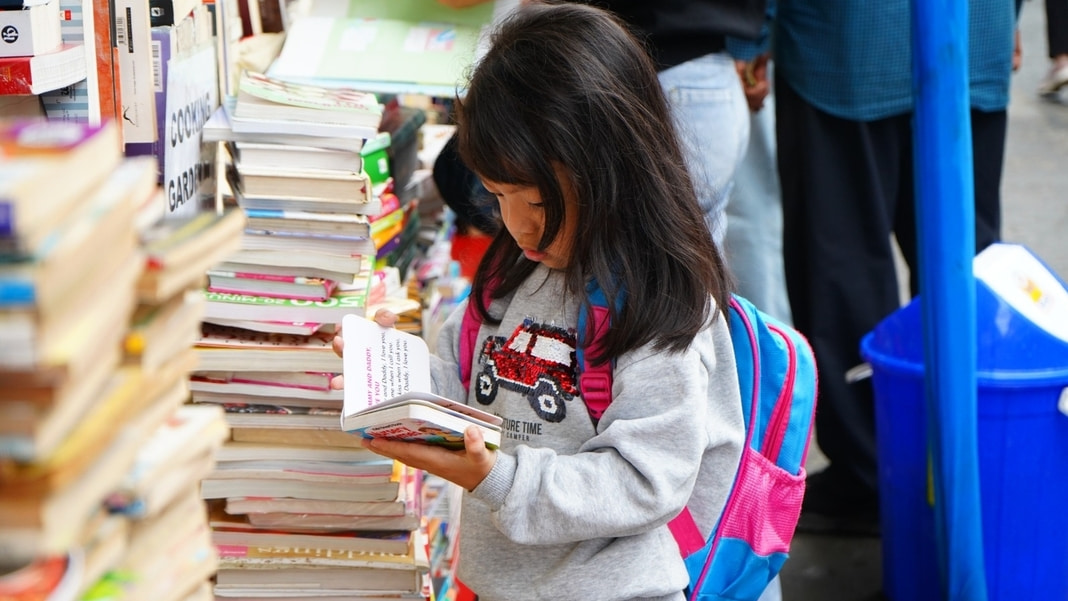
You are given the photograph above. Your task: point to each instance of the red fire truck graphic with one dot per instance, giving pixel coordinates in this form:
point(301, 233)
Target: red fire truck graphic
point(538, 360)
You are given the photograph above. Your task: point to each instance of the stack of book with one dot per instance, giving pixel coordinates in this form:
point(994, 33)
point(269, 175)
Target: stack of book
point(298, 507)
point(77, 417)
point(294, 521)
point(33, 57)
point(306, 257)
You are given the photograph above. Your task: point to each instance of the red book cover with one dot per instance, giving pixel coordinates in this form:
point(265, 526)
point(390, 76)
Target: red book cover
point(44, 72)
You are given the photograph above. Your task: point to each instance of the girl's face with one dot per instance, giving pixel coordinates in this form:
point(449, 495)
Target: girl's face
point(524, 217)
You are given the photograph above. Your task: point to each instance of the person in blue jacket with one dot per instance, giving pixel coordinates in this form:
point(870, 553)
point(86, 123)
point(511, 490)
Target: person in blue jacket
point(844, 102)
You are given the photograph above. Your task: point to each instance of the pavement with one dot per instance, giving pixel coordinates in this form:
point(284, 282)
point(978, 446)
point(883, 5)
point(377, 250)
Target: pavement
point(1035, 213)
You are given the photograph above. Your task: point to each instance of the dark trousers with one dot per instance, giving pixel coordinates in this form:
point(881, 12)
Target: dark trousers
point(1057, 27)
point(846, 187)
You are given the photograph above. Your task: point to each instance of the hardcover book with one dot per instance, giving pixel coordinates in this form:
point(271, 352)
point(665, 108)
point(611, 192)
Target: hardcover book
point(387, 391)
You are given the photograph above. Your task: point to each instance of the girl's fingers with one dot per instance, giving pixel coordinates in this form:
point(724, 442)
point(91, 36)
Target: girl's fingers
point(385, 318)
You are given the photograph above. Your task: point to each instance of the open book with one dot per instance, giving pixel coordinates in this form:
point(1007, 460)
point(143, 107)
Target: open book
point(387, 391)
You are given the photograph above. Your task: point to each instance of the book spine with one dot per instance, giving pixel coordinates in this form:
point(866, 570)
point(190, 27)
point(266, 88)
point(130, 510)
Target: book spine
point(16, 76)
point(133, 43)
point(75, 102)
point(161, 12)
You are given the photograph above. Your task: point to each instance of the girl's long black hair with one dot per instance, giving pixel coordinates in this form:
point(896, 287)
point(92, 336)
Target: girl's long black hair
point(568, 85)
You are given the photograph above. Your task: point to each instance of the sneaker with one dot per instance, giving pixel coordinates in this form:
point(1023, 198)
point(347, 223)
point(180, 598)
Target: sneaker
point(835, 507)
point(1057, 79)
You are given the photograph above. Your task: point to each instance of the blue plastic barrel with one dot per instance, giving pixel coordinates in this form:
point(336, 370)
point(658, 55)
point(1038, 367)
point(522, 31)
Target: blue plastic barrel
point(1022, 376)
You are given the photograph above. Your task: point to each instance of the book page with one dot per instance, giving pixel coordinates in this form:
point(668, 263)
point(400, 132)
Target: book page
point(381, 363)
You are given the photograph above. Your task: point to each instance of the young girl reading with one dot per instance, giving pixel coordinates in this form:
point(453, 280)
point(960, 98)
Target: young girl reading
point(565, 123)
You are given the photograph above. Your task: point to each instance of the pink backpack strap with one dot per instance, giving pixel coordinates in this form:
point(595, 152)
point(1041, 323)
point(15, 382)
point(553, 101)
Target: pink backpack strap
point(595, 381)
point(686, 533)
point(469, 327)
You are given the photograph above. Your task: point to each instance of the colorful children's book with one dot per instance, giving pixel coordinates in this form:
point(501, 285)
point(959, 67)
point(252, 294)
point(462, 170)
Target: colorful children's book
point(387, 391)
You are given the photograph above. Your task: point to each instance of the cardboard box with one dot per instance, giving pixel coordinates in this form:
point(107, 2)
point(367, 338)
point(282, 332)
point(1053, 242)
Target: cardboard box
point(30, 31)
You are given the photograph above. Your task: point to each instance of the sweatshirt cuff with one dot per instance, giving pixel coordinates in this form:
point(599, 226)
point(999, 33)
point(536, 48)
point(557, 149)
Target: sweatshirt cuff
point(494, 488)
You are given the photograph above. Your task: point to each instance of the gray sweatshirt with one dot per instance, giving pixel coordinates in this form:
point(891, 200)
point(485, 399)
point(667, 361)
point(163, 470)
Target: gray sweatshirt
point(570, 511)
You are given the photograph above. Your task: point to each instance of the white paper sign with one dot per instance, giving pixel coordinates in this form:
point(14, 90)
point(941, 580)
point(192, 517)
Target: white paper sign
point(192, 95)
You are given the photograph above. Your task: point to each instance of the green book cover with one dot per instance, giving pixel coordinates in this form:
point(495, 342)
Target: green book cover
point(387, 46)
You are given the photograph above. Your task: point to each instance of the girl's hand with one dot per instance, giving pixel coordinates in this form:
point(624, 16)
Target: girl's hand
point(383, 317)
point(467, 467)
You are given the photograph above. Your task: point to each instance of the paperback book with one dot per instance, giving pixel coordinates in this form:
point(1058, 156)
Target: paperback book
point(387, 391)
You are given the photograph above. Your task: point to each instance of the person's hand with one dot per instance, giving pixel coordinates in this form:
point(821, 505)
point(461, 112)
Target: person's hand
point(754, 76)
point(467, 467)
point(1017, 52)
point(383, 317)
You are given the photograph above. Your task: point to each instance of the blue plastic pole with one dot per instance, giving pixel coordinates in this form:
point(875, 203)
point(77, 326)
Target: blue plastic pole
point(946, 229)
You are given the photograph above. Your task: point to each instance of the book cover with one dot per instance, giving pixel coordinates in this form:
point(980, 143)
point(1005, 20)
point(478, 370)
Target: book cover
point(185, 93)
point(328, 437)
point(280, 327)
point(220, 128)
point(388, 391)
point(180, 251)
point(159, 333)
point(257, 543)
point(169, 12)
point(191, 431)
point(342, 245)
point(223, 348)
point(133, 42)
point(355, 268)
point(32, 27)
point(221, 488)
point(74, 249)
point(271, 98)
point(32, 152)
point(264, 308)
point(270, 156)
point(43, 72)
point(227, 383)
point(267, 415)
point(248, 451)
point(383, 55)
point(95, 98)
point(173, 242)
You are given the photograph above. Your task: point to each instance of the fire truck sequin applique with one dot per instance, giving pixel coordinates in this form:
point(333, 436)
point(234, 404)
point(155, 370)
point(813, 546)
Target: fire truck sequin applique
point(538, 360)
